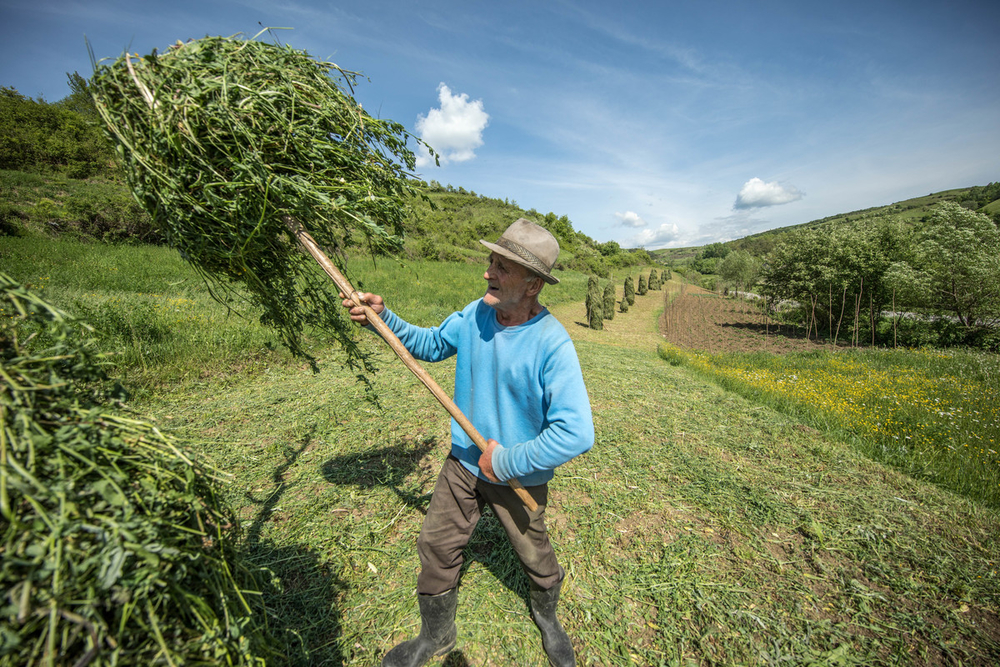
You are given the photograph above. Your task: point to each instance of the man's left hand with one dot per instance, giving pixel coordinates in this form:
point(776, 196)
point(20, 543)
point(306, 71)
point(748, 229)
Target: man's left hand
point(486, 460)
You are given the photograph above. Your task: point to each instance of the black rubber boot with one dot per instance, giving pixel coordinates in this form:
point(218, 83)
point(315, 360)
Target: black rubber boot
point(438, 632)
point(555, 641)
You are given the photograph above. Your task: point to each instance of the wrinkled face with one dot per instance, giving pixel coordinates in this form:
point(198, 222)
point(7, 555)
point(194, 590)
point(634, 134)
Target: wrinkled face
point(507, 284)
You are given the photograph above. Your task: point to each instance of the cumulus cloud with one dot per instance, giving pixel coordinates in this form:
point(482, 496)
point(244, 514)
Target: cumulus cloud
point(755, 193)
point(454, 130)
point(630, 219)
point(653, 239)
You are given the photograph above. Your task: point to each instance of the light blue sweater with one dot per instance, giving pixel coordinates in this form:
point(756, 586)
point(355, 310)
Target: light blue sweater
point(521, 386)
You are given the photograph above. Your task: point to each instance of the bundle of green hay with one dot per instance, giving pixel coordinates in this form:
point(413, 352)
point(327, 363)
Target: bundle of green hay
point(115, 549)
point(221, 138)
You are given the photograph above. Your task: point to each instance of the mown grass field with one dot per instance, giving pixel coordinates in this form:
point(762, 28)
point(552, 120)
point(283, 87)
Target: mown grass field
point(705, 527)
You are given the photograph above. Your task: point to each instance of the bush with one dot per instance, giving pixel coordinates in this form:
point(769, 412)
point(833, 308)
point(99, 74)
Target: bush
point(38, 136)
point(110, 214)
point(12, 220)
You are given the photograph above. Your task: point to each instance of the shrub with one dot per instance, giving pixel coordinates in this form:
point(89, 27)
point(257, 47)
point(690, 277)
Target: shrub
point(110, 214)
point(12, 220)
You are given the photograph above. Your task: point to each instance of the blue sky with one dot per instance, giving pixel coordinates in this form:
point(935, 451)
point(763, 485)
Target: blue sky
point(653, 124)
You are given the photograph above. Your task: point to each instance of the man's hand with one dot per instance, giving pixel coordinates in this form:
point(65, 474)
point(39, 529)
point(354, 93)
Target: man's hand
point(486, 460)
point(357, 313)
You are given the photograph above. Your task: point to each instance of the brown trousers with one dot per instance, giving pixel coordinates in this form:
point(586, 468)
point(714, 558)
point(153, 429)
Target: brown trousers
point(452, 515)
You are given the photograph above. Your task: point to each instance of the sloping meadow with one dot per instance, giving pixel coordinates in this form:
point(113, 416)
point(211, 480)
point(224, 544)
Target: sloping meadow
point(701, 527)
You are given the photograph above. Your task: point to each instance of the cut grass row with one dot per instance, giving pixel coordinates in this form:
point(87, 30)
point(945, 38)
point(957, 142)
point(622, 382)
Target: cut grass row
point(929, 413)
point(702, 527)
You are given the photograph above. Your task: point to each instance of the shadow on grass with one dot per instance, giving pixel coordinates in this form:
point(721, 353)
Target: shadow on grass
point(387, 467)
point(299, 593)
point(301, 604)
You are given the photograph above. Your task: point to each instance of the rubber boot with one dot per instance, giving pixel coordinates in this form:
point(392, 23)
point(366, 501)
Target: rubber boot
point(555, 641)
point(438, 632)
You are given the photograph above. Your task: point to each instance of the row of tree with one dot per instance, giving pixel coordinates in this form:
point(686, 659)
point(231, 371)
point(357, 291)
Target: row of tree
point(944, 275)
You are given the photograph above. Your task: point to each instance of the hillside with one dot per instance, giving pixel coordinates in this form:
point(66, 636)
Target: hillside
point(445, 223)
point(909, 211)
point(703, 528)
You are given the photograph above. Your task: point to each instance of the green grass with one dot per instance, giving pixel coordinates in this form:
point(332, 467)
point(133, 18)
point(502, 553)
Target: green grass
point(704, 527)
point(932, 414)
point(156, 315)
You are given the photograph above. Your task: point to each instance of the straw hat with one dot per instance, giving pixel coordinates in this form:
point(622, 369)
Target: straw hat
point(530, 246)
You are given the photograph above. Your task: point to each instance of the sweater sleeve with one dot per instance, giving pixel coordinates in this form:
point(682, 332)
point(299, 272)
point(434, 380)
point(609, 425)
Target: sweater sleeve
point(426, 344)
point(568, 429)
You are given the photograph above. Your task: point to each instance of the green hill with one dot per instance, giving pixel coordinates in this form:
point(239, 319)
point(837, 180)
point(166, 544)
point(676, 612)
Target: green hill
point(984, 199)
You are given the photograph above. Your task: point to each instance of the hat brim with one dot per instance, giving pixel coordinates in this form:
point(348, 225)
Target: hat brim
point(547, 277)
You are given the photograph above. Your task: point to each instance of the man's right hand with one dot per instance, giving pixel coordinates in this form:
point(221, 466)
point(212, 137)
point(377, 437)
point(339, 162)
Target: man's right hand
point(374, 301)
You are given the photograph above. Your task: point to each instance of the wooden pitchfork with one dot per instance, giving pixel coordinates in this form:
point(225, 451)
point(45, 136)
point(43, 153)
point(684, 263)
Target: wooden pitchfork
point(344, 285)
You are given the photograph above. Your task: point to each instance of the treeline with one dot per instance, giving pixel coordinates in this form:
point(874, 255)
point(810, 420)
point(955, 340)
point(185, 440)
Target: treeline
point(881, 281)
point(64, 137)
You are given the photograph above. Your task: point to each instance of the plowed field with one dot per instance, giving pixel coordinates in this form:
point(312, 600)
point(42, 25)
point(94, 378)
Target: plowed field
point(695, 318)
point(689, 317)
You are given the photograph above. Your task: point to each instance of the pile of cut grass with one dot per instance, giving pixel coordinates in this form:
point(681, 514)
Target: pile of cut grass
point(222, 139)
point(115, 546)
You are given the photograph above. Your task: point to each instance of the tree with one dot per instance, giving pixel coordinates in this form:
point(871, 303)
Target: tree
point(958, 265)
point(38, 136)
point(80, 100)
point(836, 276)
point(741, 269)
point(719, 250)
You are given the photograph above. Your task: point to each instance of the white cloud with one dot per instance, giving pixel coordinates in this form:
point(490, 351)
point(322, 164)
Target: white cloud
point(653, 239)
point(755, 193)
point(454, 130)
point(630, 219)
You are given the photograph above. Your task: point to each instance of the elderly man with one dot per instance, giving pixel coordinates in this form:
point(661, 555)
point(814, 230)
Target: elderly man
point(518, 380)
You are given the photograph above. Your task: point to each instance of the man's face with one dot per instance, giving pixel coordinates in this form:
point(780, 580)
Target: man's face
point(507, 283)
